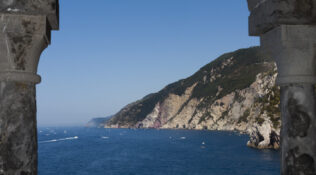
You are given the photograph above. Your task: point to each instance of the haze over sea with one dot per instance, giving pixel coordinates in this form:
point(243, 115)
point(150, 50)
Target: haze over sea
point(83, 151)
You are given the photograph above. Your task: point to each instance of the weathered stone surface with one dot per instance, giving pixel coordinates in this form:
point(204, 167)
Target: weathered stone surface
point(23, 38)
point(253, 4)
point(25, 31)
point(298, 129)
point(288, 32)
point(47, 8)
point(18, 136)
point(268, 14)
point(293, 47)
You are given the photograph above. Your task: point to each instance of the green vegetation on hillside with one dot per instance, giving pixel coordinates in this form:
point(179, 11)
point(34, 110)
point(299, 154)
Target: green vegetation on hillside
point(244, 117)
point(229, 76)
point(271, 106)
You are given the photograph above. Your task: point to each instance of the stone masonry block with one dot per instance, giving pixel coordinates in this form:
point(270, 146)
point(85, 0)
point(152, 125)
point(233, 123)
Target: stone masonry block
point(269, 14)
point(293, 47)
point(48, 8)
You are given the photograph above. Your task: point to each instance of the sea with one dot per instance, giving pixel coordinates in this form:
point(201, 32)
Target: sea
point(98, 151)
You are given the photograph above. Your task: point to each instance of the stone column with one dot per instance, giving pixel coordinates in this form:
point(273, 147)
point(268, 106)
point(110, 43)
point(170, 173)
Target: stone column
point(293, 47)
point(288, 34)
point(25, 28)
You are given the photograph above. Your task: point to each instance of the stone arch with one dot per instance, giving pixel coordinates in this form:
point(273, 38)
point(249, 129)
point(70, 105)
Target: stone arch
point(286, 25)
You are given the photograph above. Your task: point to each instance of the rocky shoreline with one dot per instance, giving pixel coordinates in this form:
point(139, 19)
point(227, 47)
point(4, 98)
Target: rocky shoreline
point(262, 137)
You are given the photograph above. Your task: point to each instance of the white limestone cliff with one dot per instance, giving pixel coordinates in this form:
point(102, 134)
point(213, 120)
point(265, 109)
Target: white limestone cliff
point(237, 111)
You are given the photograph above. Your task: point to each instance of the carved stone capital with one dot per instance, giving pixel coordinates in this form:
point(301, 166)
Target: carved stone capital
point(25, 31)
point(23, 38)
point(48, 8)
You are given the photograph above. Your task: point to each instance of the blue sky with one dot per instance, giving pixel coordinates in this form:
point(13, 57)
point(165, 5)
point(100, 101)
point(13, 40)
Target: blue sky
point(109, 53)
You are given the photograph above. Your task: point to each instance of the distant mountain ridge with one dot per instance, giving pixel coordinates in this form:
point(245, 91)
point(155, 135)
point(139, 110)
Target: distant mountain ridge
point(235, 92)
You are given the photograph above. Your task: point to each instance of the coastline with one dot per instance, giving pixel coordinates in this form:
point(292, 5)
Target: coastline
point(252, 143)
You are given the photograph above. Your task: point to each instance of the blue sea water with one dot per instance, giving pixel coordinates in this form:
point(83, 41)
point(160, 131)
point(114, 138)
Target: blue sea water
point(92, 151)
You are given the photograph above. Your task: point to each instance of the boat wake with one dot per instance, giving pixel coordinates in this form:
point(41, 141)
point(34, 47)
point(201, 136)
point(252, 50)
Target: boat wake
point(57, 140)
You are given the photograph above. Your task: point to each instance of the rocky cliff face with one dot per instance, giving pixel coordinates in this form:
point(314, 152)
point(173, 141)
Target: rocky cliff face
point(236, 92)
